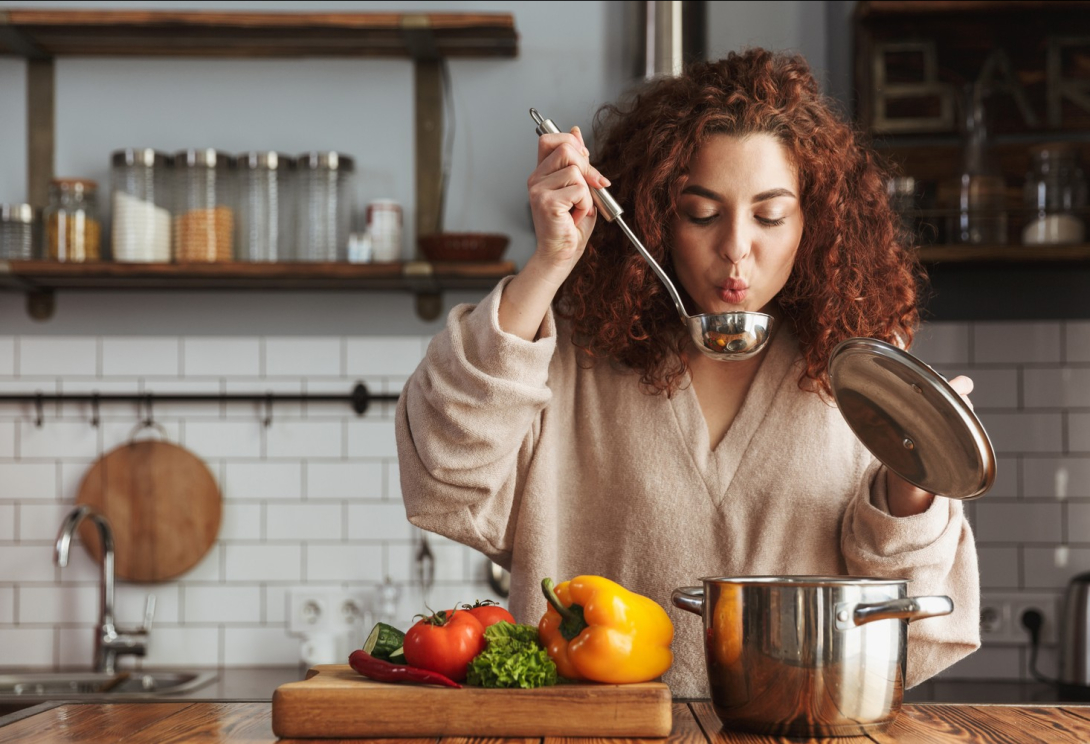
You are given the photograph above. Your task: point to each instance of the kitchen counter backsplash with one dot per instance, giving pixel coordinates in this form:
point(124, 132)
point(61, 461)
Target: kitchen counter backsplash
point(313, 501)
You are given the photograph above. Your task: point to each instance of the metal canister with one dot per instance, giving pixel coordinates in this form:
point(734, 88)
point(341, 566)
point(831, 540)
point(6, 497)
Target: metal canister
point(265, 211)
point(16, 232)
point(324, 192)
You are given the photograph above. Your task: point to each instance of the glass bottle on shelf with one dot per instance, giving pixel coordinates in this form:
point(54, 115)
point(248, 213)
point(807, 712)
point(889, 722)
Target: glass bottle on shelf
point(1054, 196)
point(140, 203)
point(72, 228)
point(265, 206)
point(978, 199)
point(907, 199)
point(204, 211)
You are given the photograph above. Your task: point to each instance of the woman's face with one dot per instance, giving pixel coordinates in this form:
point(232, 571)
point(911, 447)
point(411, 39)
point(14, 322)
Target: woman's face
point(739, 223)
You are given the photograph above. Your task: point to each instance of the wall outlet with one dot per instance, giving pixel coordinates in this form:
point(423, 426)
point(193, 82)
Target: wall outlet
point(1001, 617)
point(309, 611)
point(319, 611)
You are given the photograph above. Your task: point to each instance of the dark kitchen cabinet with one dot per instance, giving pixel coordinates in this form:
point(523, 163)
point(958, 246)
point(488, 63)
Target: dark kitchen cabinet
point(912, 61)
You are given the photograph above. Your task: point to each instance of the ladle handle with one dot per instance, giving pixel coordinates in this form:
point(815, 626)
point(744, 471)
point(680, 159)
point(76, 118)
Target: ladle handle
point(656, 268)
point(612, 211)
point(605, 202)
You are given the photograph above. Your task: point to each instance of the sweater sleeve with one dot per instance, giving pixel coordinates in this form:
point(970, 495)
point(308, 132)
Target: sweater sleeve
point(465, 426)
point(935, 551)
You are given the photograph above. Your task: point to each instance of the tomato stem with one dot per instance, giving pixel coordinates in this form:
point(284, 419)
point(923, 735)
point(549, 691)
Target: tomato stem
point(438, 619)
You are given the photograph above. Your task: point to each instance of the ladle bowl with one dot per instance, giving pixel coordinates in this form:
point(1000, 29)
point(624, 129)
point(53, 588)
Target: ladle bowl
point(726, 337)
point(730, 336)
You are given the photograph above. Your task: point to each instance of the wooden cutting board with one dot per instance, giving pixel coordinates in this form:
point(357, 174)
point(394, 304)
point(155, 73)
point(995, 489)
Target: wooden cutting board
point(334, 701)
point(163, 504)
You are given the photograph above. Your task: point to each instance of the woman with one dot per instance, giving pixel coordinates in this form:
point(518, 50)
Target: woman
point(568, 425)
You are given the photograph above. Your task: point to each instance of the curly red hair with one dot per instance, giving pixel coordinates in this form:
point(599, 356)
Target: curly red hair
point(853, 275)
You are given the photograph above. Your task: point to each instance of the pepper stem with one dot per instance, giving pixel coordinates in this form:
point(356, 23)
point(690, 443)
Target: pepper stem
point(572, 620)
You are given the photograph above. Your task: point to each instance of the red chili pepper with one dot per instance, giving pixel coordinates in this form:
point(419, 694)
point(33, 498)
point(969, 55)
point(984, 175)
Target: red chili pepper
point(384, 671)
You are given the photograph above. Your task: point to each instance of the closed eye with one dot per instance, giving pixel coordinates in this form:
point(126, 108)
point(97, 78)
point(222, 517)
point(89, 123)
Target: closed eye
point(771, 223)
point(701, 220)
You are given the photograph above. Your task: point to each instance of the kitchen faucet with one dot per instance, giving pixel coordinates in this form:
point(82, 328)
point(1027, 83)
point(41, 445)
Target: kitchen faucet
point(110, 641)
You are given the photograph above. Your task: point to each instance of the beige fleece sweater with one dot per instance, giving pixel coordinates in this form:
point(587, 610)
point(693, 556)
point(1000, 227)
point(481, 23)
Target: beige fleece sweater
point(552, 469)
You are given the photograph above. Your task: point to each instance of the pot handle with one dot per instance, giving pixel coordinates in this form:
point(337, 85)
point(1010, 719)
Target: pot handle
point(907, 608)
point(690, 599)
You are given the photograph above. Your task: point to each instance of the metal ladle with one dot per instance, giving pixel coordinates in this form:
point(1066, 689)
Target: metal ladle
point(726, 337)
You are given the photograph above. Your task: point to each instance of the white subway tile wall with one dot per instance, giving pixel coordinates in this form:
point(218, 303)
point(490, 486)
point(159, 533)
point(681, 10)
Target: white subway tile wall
point(7, 356)
point(312, 500)
point(7, 605)
point(1078, 341)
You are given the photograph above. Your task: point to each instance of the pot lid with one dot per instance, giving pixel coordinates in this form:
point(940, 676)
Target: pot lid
point(910, 418)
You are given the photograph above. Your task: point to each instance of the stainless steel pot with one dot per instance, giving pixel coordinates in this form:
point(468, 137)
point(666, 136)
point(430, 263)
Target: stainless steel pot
point(1075, 641)
point(806, 655)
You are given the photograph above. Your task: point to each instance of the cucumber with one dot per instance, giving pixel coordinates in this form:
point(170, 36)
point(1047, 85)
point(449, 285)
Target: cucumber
point(386, 642)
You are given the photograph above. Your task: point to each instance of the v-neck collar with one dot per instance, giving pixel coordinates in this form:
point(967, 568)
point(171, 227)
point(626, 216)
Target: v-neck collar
point(719, 466)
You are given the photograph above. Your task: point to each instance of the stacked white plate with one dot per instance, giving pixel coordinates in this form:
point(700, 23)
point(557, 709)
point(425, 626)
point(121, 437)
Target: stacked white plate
point(141, 230)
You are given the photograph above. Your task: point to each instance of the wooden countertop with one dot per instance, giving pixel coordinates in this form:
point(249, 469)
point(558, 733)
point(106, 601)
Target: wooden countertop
point(694, 723)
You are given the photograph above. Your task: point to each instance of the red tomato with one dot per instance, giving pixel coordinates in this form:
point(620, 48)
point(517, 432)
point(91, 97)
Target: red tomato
point(489, 613)
point(445, 642)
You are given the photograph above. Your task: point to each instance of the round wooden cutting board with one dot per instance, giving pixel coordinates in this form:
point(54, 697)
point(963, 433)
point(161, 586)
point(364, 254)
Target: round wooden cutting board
point(163, 504)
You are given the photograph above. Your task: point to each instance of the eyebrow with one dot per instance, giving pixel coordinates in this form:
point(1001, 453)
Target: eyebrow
point(763, 196)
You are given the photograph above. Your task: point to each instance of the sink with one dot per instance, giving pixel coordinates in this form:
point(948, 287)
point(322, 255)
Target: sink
point(76, 685)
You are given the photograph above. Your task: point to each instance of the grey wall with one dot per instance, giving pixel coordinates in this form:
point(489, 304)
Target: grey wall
point(573, 57)
point(795, 25)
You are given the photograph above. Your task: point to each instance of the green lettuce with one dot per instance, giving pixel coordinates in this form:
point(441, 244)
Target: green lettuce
point(513, 657)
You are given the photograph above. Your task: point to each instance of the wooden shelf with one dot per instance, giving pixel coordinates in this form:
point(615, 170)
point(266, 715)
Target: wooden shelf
point(41, 35)
point(35, 33)
point(934, 254)
point(413, 276)
point(40, 280)
point(916, 8)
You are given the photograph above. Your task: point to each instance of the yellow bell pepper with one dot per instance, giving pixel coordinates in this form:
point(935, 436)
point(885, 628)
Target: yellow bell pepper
point(597, 630)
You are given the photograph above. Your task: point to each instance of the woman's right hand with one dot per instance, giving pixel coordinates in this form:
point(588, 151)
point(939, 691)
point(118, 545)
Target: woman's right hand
point(560, 199)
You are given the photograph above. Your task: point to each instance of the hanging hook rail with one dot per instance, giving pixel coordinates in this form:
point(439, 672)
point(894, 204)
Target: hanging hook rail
point(268, 410)
point(360, 399)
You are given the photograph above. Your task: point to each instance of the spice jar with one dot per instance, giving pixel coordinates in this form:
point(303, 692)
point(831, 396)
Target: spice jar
point(265, 206)
point(16, 232)
point(140, 205)
point(72, 229)
point(325, 195)
point(1054, 196)
point(204, 206)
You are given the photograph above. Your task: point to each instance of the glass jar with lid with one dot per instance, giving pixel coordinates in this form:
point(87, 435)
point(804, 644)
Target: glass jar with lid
point(325, 193)
point(265, 206)
point(72, 228)
point(205, 200)
point(17, 232)
point(140, 206)
point(1055, 196)
point(976, 200)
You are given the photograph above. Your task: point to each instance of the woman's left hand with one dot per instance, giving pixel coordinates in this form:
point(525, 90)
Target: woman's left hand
point(905, 499)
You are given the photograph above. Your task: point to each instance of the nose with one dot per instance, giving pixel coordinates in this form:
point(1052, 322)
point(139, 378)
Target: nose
point(735, 242)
